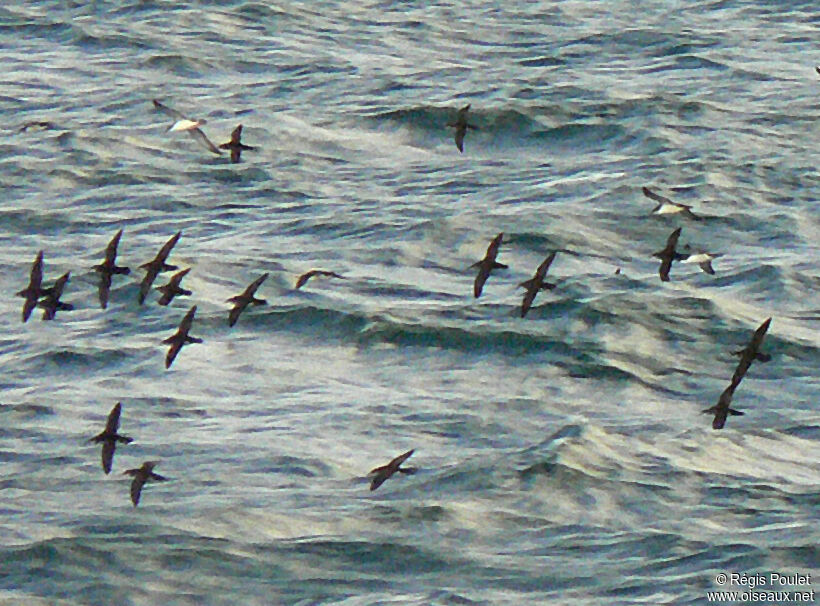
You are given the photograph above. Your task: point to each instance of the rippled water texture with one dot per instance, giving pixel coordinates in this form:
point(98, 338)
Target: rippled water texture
point(561, 458)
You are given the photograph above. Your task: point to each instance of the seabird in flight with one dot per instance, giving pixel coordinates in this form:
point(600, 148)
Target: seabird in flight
point(34, 290)
point(108, 268)
point(747, 355)
point(153, 268)
point(109, 437)
point(704, 261)
point(51, 303)
point(173, 289)
point(141, 476)
point(461, 125)
point(487, 264)
point(669, 254)
point(667, 207)
point(235, 145)
point(180, 337)
point(536, 283)
point(240, 302)
point(315, 272)
point(381, 474)
point(721, 410)
point(751, 352)
point(186, 124)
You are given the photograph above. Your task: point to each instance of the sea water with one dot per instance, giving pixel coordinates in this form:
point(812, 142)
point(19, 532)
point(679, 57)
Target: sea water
point(562, 457)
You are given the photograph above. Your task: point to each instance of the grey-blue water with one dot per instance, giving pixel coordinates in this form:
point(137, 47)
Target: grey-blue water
point(562, 458)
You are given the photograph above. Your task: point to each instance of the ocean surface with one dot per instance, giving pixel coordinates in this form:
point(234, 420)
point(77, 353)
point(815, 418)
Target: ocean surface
point(561, 458)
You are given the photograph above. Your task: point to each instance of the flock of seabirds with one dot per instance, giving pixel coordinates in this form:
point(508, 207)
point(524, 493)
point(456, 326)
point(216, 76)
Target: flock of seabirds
point(49, 298)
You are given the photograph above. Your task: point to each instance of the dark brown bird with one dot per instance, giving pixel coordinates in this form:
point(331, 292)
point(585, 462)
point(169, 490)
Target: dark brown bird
point(141, 476)
point(535, 284)
point(173, 289)
point(108, 268)
point(748, 354)
point(34, 290)
point(109, 437)
point(721, 410)
point(51, 302)
point(385, 471)
point(669, 254)
point(461, 125)
point(487, 264)
point(315, 272)
point(153, 268)
point(751, 352)
point(668, 207)
point(817, 68)
point(235, 145)
point(180, 337)
point(240, 302)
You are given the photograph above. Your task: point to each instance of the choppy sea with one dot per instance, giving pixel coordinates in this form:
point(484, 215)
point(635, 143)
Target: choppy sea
point(561, 458)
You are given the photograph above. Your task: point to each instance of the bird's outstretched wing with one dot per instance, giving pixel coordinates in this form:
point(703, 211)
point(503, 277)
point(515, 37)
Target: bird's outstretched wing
point(113, 422)
point(657, 197)
point(163, 253)
point(197, 134)
point(169, 111)
point(104, 288)
point(108, 448)
point(136, 488)
point(111, 249)
point(385, 471)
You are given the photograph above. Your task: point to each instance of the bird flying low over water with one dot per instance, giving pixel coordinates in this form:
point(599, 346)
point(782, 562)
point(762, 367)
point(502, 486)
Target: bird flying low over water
point(34, 290)
point(109, 437)
point(721, 410)
point(173, 289)
point(183, 123)
point(241, 301)
point(536, 283)
point(669, 254)
point(141, 476)
point(461, 125)
point(157, 265)
point(315, 272)
point(108, 268)
point(381, 474)
point(704, 261)
point(817, 68)
point(180, 337)
point(747, 355)
point(51, 302)
point(487, 264)
point(235, 145)
point(751, 352)
point(667, 207)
